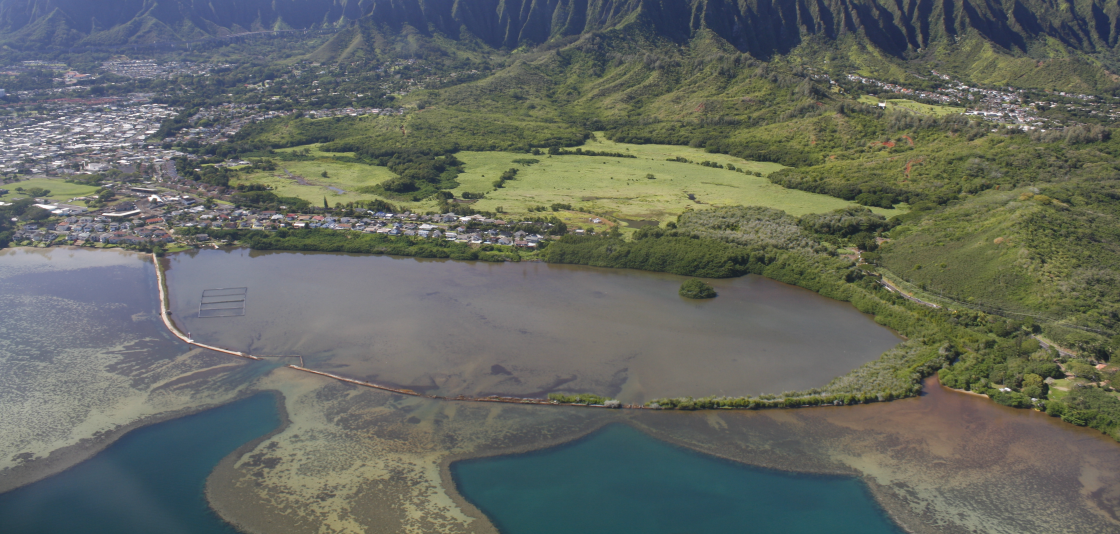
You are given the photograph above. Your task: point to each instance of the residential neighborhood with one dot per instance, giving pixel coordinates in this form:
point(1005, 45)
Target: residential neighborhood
point(216, 124)
point(70, 136)
point(147, 68)
point(1000, 105)
point(151, 216)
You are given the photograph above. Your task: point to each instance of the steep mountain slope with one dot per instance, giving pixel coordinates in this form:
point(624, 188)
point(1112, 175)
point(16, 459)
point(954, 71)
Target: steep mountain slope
point(34, 23)
point(762, 28)
point(765, 27)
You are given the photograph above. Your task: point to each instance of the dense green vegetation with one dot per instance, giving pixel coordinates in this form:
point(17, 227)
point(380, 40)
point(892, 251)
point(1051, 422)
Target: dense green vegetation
point(697, 289)
point(23, 209)
point(580, 398)
point(324, 240)
point(1046, 254)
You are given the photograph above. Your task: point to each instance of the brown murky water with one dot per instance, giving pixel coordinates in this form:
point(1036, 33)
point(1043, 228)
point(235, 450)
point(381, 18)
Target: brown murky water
point(524, 329)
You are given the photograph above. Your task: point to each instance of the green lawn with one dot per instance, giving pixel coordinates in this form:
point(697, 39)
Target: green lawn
point(910, 105)
point(347, 177)
point(61, 191)
point(603, 186)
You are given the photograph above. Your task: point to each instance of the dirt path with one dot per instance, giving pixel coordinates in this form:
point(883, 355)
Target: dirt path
point(303, 181)
point(891, 287)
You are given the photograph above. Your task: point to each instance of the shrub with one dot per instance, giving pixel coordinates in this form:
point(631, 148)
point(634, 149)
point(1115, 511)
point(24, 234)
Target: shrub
point(697, 289)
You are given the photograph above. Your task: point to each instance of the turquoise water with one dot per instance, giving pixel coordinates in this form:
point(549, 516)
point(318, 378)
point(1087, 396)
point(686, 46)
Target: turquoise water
point(619, 480)
point(151, 480)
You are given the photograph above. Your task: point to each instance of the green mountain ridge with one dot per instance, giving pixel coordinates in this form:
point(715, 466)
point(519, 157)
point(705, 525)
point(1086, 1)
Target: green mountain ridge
point(905, 29)
point(30, 24)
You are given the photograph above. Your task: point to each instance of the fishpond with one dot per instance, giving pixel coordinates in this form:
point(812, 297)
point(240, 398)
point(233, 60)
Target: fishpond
point(91, 373)
point(523, 329)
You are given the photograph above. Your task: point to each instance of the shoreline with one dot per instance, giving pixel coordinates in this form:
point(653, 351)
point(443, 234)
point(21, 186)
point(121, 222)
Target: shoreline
point(468, 508)
point(62, 459)
point(164, 313)
point(165, 305)
point(214, 486)
point(888, 506)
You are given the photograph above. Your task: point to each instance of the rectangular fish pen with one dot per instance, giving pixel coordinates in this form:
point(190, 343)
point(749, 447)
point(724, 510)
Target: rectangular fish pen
point(223, 302)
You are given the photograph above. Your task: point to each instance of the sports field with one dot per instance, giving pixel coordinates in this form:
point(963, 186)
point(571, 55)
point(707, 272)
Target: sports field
point(61, 191)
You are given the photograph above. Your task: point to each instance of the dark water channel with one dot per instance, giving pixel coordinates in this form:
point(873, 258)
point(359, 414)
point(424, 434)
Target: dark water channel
point(524, 329)
point(151, 480)
point(621, 480)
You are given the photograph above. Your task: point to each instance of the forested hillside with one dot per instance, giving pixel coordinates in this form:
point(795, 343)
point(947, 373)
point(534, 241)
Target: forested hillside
point(993, 43)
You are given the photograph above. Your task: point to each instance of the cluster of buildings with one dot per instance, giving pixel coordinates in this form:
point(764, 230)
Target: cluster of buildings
point(72, 77)
point(935, 96)
point(1005, 106)
point(33, 64)
point(218, 123)
point(474, 229)
point(71, 136)
point(147, 68)
point(79, 231)
point(153, 216)
point(137, 220)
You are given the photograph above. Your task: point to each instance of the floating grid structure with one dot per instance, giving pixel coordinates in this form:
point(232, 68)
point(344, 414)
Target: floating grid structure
point(223, 302)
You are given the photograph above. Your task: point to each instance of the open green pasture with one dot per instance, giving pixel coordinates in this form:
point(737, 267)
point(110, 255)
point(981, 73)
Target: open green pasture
point(917, 107)
point(61, 191)
point(315, 151)
point(346, 177)
point(604, 186)
point(618, 186)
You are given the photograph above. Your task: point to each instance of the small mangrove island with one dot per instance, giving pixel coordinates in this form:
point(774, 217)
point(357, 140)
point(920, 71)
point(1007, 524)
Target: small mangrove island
point(697, 289)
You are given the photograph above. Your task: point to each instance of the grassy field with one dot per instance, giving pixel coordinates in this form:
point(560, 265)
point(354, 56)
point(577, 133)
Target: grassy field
point(592, 185)
point(618, 187)
point(345, 178)
point(916, 107)
point(313, 151)
point(61, 191)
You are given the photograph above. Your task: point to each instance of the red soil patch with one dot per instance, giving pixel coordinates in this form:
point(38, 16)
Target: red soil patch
point(911, 163)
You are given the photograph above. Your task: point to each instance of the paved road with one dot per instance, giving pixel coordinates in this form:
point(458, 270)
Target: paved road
point(169, 168)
